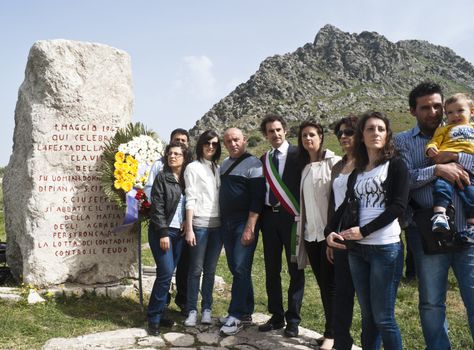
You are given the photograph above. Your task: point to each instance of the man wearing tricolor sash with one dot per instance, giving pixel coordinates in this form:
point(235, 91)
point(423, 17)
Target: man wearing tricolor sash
point(281, 211)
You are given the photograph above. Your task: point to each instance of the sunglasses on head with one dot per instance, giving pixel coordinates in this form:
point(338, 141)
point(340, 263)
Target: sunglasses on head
point(211, 144)
point(347, 132)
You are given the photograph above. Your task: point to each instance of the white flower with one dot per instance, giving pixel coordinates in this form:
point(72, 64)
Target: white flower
point(146, 151)
point(143, 148)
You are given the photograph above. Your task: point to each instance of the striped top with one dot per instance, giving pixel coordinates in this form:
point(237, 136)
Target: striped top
point(411, 146)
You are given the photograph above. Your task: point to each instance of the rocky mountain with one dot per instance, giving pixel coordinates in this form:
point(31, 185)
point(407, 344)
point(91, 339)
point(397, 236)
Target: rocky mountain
point(336, 74)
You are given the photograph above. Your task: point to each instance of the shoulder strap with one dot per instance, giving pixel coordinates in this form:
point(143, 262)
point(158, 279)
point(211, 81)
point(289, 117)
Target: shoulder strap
point(351, 184)
point(237, 162)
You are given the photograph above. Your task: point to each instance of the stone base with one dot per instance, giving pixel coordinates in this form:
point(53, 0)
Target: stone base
point(199, 337)
point(114, 290)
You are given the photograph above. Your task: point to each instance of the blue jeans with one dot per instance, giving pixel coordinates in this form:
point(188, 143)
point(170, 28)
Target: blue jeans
point(432, 274)
point(239, 259)
point(443, 195)
point(376, 272)
point(166, 262)
point(203, 259)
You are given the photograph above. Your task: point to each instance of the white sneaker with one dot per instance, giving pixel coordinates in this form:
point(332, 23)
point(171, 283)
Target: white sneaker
point(192, 319)
point(206, 317)
point(232, 326)
point(246, 320)
point(223, 320)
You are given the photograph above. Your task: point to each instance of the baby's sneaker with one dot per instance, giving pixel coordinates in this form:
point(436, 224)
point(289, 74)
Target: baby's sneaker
point(467, 236)
point(440, 223)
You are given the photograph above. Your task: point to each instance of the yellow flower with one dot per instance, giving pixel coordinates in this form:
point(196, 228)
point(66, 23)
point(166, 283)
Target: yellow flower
point(131, 160)
point(118, 184)
point(119, 157)
point(127, 186)
point(124, 167)
point(118, 173)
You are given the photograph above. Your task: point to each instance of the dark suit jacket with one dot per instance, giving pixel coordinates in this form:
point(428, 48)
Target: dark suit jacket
point(292, 172)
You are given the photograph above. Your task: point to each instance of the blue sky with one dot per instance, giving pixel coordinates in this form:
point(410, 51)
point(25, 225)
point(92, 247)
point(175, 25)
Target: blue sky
point(187, 55)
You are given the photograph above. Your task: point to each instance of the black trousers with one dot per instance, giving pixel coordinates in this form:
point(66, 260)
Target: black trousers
point(276, 234)
point(324, 272)
point(182, 278)
point(410, 271)
point(343, 301)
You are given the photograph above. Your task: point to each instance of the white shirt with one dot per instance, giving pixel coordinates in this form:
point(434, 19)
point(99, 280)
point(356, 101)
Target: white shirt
point(339, 188)
point(179, 214)
point(202, 188)
point(369, 191)
point(283, 153)
point(155, 169)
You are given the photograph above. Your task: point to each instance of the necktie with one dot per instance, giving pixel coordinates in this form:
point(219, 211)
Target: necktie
point(271, 196)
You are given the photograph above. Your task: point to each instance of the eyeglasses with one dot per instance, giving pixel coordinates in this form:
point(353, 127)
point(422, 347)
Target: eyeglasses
point(211, 143)
point(348, 132)
point(175, 154)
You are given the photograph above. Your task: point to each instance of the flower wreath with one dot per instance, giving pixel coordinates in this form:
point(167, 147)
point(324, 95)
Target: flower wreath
point(125, 166)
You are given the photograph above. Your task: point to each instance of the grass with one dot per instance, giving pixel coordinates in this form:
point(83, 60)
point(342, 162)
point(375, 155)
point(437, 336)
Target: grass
point(24, 326)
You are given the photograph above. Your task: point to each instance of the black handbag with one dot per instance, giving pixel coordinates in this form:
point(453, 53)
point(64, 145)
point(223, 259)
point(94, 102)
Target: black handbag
point(436, 242)
point(350, 215)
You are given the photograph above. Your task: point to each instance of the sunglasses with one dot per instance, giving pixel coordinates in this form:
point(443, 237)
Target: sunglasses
point(348, 132)
point(211, 144)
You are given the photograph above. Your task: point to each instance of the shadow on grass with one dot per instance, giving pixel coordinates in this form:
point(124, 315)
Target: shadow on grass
point(123, 313)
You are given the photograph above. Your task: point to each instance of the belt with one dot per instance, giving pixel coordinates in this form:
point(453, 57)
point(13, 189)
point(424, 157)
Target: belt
point(273, 209)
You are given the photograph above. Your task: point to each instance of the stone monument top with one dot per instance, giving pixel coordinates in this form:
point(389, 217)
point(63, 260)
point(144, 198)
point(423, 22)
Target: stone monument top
point(58, 221)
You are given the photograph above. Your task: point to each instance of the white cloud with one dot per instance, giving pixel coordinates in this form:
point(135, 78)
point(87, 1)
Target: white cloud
point(196, 78)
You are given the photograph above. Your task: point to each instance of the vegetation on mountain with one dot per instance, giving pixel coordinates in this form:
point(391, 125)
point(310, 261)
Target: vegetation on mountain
point(337, 74)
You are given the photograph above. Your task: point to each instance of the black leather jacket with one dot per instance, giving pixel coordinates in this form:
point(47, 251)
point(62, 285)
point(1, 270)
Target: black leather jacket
point(165, 195)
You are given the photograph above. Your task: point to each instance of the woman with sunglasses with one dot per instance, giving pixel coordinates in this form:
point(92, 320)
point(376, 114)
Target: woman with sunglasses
point(379, 184)
point(315, 189)
point(202, 228)
point(165, 230)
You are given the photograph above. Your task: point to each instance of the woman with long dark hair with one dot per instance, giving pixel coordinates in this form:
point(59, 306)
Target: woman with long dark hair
point(165, 230)
point(202, 228)
point(315, 189)
point(379, 184)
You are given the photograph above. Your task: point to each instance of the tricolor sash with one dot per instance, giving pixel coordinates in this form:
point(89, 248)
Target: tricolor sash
point(284, 195)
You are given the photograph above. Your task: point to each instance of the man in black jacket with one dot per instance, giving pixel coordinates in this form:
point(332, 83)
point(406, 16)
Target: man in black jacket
point(277, 223)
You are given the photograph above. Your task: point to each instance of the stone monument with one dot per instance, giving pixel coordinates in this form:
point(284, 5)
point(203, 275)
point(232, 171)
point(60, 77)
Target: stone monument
point(59, 223)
